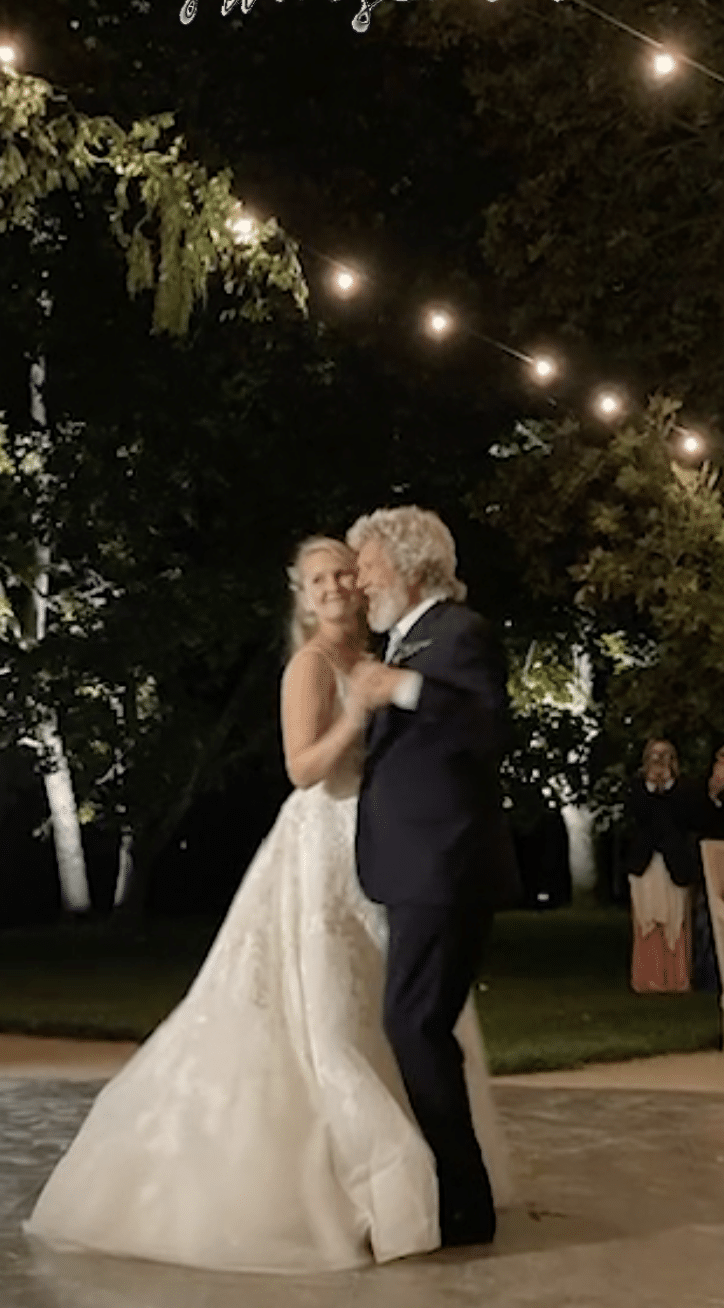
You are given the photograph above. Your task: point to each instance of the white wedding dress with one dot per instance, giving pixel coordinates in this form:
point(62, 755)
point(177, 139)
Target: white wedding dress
point(264, 1125)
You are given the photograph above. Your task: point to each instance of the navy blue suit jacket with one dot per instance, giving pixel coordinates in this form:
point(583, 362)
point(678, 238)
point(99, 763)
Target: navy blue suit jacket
point(430, 825)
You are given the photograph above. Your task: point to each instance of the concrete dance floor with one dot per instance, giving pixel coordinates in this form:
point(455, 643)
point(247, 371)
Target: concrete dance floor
point(620, 1174)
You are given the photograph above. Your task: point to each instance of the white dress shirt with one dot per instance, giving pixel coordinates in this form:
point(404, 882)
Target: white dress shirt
point(407, 694)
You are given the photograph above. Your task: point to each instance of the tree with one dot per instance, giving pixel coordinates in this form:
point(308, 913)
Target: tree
point(358, 147)
point(181, 234)
point(606, 232)
point(171, 459)
point(619, 531)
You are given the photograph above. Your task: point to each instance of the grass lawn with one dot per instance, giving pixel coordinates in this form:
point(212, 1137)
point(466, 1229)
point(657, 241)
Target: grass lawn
point(558, 995)
point(556, 987)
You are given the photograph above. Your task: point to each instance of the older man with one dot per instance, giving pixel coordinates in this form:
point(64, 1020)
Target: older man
point(432, 845)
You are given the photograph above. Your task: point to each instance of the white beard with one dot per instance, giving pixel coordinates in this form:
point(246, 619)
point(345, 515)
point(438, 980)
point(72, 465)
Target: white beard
point(387, 607)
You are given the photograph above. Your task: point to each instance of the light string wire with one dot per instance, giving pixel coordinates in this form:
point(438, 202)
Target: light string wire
point(339, 266)
point(643, 36)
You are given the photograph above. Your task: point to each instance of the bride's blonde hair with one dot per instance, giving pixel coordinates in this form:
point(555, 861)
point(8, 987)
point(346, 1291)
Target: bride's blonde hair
point(304, 624)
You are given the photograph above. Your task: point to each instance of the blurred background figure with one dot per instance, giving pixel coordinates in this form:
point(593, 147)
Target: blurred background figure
point(542, 849)
point(661, 862)
point(704, 807)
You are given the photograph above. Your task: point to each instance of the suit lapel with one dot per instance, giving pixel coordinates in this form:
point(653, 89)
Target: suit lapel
point(420, 635)
point(417, 639)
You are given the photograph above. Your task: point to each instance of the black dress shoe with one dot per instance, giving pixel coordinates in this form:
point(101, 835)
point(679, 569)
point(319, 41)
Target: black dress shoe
point(467, 1228)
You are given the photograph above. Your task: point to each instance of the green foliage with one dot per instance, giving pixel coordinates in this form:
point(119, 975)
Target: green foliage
point(175, 476)
point(169, 216)
point(554, 720)
point(606, 233)
point(635, 543)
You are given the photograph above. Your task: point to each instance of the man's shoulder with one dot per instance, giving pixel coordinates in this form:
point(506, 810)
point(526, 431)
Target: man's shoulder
point(459, 632)
point(457, 617)
point(465, 627)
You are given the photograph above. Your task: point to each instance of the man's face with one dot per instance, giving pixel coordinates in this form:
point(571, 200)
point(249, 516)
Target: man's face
point(658, 769)
point(388, 597)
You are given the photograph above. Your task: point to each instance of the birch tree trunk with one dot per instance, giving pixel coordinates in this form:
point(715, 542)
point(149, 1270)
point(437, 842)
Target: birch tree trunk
point(125, 867)
point(579, 817)
point(75, 894)
point(64, 817)
point(581, 852)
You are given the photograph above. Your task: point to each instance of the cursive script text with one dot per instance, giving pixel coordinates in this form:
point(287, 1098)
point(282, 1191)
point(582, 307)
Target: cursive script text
point(190, 8)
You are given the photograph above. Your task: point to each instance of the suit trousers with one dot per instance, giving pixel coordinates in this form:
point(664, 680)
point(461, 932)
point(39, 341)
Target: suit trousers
point(433, 955)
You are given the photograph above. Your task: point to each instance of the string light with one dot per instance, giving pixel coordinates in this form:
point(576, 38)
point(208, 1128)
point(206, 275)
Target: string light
point(648, 40)
point(439, 322)
point(664, 64)
point(344, 281)
point(692, 442)
point(544, 368)
point(608, 404)
point(243, 224)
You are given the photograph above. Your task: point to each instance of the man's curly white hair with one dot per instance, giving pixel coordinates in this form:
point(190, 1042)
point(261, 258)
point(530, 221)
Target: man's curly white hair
point(421, 548)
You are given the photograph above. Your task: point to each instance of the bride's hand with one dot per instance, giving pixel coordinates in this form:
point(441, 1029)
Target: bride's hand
point(373, 684)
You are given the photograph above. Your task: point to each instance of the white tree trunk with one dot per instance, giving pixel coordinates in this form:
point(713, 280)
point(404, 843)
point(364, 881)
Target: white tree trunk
point(579, 825)
point(125, 866)
point(66, 827)
point(74, 890)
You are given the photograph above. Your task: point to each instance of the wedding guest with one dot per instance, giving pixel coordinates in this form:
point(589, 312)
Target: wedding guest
point(708, 810)
point(661, 863)
point(705, 818)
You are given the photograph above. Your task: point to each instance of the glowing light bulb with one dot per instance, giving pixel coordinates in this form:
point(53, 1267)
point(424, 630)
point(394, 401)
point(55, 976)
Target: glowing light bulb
point(544, 368)
point(439, 322)
point(608, 404)
point(7, 56)
point(243, 225)
point(345, 281)
point(664, 64)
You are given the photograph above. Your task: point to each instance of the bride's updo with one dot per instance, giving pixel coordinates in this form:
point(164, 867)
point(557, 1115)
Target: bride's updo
point(303, 624)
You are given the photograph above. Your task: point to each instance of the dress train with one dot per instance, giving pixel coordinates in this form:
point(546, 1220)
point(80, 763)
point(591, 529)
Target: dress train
point(264, 1126)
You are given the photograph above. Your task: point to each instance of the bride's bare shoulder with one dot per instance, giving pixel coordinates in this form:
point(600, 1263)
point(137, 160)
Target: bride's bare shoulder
point(309, 668)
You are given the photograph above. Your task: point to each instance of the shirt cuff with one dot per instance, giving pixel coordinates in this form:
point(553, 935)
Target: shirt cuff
point(407, 694)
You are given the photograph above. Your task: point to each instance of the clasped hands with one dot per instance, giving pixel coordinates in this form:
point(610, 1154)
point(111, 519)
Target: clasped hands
point(372, 684)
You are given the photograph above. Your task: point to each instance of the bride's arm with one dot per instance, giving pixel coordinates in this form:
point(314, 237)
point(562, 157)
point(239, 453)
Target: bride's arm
point(313, 740)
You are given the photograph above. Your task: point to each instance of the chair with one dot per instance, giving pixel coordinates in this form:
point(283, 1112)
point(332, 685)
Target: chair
point(712, 854)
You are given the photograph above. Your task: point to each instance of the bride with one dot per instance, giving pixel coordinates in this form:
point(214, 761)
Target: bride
point(264, 1125)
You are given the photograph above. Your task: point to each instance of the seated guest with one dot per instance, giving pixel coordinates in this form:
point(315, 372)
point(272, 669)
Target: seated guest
point(661, 862)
